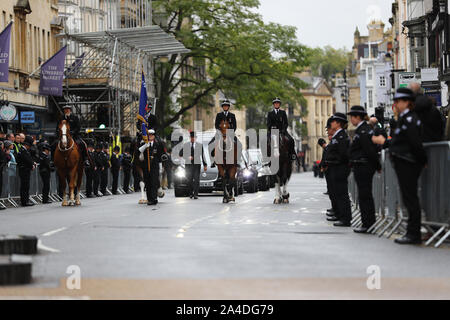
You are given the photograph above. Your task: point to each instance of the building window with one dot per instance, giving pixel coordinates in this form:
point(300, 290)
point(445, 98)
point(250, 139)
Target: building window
point(369, 74)
point(328, 108)
point(370, 98)
point(322, 107)
point(382, 81)
point(317, 107)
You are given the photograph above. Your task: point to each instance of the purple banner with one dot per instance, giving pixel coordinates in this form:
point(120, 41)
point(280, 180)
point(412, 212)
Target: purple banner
point(52, 74)
point(5, 39)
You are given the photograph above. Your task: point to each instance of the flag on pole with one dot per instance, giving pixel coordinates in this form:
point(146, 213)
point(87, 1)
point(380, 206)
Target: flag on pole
point(5, 40)
point(76, 65)
point(142, 106)
point(52, 74)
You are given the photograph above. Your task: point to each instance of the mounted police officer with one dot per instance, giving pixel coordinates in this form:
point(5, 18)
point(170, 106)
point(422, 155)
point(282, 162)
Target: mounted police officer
point(26, 164)
point(45, 169)
point(409, 159)
point(227, 116)
point(337, 162)
point(364, 161)
point(91, 171)
point(277, 119)
point(150, 120)
point(75, 127)
point(152, 152)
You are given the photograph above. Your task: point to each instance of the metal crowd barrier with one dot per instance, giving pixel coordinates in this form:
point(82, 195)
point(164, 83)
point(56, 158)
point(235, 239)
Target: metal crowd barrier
point(434, 187)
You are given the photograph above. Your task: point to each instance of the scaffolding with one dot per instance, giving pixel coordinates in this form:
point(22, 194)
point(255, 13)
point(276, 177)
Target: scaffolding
point(103, 83)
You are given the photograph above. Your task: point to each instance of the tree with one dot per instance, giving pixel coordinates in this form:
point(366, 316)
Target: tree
point(328, 61)
point(232, 50)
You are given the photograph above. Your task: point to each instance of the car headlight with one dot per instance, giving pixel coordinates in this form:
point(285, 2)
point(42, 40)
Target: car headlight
point(180, 173)
point(247, 173)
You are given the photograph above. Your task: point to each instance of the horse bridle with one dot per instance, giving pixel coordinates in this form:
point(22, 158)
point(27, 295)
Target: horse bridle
point(66, 149)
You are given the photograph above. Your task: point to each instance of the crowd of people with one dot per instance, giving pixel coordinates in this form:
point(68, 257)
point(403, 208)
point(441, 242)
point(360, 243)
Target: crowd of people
point(416, 121)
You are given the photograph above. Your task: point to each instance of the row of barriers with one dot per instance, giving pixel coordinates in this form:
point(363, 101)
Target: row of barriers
point(434, 193)
point(10, 195)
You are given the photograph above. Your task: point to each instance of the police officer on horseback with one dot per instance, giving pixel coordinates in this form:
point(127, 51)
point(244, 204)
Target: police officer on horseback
point(75, 127)
point(226, 115)
point(277, 119)
point(150, 120)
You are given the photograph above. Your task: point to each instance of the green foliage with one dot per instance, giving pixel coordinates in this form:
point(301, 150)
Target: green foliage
point(232, 50)
point(328, 61)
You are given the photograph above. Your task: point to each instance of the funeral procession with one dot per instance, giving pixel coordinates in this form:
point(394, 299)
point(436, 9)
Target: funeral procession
point(214, 150)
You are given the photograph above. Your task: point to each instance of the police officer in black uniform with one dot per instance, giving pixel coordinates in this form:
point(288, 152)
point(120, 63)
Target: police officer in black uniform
point(227, 116)
point(75, 127)
point(326, 171)
point(364, 162)
point(98, 168)
point(338, 164)
point(91, 171)
point(409, 158)
point(45, 169)
point(126, 167)
point(104, 160)
point(26, 164)
point(277, 119)
point(153, 151)
point(115, 169)
point(194, 160)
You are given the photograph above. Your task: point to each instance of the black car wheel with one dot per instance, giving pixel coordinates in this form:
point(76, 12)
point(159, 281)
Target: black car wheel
point(180, 193)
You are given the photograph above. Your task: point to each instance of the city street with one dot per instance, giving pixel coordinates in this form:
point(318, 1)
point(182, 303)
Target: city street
point(203, 249)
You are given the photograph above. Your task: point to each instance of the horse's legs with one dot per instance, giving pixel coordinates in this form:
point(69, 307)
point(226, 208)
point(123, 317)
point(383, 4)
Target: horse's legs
point(62, 184)
point(72, 185)
point(277, 199)
point(233, 189)
point(143, 199)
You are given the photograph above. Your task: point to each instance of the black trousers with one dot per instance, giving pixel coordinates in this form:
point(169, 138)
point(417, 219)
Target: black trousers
point(364, 177)
point(115, 181)
point(24, 175)
point(151, 180)
point(103, 180)
point(96, 179)
point(45, 176)
point(329, 190)
point(408, 174)
point(339, 191)
point(193, 178)
point(126, 179)
point(89, 181)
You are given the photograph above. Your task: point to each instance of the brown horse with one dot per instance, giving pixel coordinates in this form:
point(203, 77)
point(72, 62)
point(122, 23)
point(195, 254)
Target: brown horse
point(68, 163)
point(226, 152)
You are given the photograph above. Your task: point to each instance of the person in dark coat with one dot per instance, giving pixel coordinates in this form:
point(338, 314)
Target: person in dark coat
point(3, 161)
point(277, 119)
point(364, 161)
point(98, 168)
point(409, 159)
point(433, 122)
point(104, 160)
point(126, 167)
point(338, 163)
point(152, 151)
point(25, 164)
point(46, 167)
point(91, 171)
point(115, 169)
point(193, 163)
point(227, 116)
point(324, 167)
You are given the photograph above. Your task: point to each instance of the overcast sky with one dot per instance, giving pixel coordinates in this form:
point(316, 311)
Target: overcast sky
point(326, 22)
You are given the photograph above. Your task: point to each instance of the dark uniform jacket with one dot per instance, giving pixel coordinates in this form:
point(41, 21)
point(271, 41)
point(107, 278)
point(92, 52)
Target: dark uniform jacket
point(153, 155)
point(127, 162)
point(104, 160)
point(25, 161)
point(45, 165)
point(362, 149)
point(406, 142)
point(230, 117)
point(322, 164)
point(115, 162)
point(433, 123)
point(92, 158)
point(198, 153)
point(337, 152)
point(277, 120)
point(98, 160)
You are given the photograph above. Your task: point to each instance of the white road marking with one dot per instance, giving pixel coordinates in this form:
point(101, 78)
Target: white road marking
point(44, 298)
point(50, 233)
point(40, 246)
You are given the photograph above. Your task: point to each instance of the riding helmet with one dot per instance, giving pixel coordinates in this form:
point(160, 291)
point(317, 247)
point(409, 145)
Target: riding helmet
point(226, 103)
point(276, 100)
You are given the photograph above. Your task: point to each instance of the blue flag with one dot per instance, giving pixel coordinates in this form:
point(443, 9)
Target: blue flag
point(5, 39)
point(142, 106)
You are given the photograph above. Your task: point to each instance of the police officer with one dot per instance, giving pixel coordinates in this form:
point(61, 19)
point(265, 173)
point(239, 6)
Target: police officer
point(45, 169)
point(152, 151)
point(98, 169)
point(194, 160)
point(226, 115)
point(338, 164)
point(364, 162)
point(409, 158)
point(75, 127)
point(151, 120)
point(126, 167)
point(115, 169)
point(26, 165)
point(104, 160)
point(277, 119)
point(324, 167)
point(91, 171)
